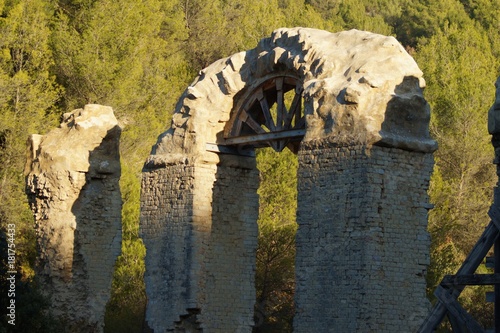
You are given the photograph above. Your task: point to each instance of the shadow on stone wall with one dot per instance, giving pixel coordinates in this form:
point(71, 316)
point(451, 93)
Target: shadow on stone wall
point(73, 175)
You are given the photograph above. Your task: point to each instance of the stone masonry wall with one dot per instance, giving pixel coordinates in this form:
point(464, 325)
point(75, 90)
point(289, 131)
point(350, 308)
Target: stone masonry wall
point(72, 179)
point(166, 230)
point(199, 225)
point(230, 289)
point(362, 242)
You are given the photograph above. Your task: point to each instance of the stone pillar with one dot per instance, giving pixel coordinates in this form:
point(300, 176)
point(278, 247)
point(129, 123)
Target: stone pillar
point(362, 241)
point(173, 239)
point(230, 288)
point(72, 186)
point(199, 226)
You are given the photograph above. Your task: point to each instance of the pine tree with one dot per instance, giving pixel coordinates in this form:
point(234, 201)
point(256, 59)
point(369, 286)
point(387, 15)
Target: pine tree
point(28, 94)
point(275, 260)
point(460, 71)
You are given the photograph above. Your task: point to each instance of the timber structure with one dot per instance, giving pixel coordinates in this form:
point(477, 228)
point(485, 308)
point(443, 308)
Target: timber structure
point(450, 288)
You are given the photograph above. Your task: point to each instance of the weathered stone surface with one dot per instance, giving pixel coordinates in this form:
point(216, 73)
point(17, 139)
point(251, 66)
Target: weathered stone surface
point(362, 243)
point(72, 186)
point(358, 86)
point(364, 167)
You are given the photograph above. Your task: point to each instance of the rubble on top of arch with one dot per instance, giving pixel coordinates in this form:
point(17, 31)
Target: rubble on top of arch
point(358, 87)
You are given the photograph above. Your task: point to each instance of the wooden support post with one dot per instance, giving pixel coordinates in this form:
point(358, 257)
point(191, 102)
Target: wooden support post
point(497, 287)
point(471, 263)
point(456, 325)
point(461, 318)
point(470, 280)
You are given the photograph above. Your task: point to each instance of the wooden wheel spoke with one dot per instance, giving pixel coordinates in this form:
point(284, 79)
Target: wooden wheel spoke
point(253, 124)
point(258, 123)
point(300, 122)
point(295, 110)
point(282, 144)
point(280, 100)
point(274, 145)
point(266, 110)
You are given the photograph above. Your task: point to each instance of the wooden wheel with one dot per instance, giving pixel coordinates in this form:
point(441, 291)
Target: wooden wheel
point(271, 116)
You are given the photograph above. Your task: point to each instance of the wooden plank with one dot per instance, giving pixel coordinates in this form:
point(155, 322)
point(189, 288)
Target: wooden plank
point(280, 101)
point(229, 150)
point(480, 250)
point(293, 111)
point(282, 144)
point(471, 263)
point(266, 110)
point(254, 125)
point(456, 325)
point(242, 117)
point(490, 262)
point(267, 136)
point(496, 310)
point(300, 123)
point(494, 214)
point(470, 280)
point(461, 317)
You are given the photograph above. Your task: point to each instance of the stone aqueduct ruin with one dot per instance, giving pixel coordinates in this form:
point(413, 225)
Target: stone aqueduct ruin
point(358, 121)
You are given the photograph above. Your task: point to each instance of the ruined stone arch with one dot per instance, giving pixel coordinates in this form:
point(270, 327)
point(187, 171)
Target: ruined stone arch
point(364, 164)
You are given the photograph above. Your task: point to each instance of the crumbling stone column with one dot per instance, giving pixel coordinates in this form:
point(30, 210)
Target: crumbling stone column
point(230, 285)
point(199, 225)
point(174, 230)
point(72, 186)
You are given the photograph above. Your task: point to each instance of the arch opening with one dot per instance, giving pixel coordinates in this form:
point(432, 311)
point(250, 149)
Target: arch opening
point(270, 116)
point(275, 253)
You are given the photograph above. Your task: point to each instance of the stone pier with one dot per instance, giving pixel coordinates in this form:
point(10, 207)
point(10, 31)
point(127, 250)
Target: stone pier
point(72, 186)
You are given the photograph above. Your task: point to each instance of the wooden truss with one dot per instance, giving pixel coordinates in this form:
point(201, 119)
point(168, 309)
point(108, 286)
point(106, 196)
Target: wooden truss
point(265, 119)
point(452, 285)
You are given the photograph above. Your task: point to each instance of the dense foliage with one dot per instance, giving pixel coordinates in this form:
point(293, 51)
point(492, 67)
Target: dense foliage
point(138, 55)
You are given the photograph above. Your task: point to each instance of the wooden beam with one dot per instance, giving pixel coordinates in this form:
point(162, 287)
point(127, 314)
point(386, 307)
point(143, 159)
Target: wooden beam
point(461, 317)
point(456, 325)
point(280, 101)
point(470, 280)
point(265, 110)
point(471, 263)
point(490, 262)
point(293, 110)
point(496, 310)
point(494, 214)
point(256, 138)
point(253, 124)
point(229, 150)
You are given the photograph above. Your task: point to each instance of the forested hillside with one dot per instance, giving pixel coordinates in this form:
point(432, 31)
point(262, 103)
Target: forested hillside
point(139, 55)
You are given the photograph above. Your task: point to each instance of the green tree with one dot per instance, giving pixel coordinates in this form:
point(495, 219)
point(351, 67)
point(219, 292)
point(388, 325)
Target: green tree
point(356, 14)
point(424, 18)
point(460, 71)
point(487, 14)
point(133, 61)
point(298, 13)
point(28, 93)
point(275, 261)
